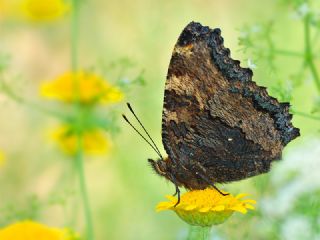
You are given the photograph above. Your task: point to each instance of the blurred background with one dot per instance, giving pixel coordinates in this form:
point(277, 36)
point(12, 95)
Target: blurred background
point(131, 42)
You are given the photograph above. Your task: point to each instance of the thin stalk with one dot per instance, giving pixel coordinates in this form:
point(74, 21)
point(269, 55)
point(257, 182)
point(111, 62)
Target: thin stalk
point(83, 188)
point(13, 96)
point(283, 52)
point(316, 37)
point(198, 233)
point(288, 53)
point(74, 35)
point(79, 108)
point(306, 115)
point(308, 52)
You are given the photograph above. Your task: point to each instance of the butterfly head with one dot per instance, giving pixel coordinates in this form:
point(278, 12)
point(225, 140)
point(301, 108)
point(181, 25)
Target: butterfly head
point(159, 166)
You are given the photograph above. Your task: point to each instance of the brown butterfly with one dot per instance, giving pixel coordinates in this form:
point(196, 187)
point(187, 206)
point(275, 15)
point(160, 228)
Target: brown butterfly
point(218, 125)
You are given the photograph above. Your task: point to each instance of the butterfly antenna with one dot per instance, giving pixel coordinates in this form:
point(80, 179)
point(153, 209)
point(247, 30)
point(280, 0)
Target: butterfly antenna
point(155, 149)
point(145, 130)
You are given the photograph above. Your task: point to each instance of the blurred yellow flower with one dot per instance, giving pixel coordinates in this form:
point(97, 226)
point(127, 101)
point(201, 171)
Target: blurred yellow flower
point(94, 141)
point(2, 159)
point(91, 89)
point(206, 207)
point(29, 230)
point(4, 8)
point(44, 10)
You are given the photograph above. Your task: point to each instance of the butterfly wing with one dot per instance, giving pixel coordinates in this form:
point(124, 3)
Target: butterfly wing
point(214, 116)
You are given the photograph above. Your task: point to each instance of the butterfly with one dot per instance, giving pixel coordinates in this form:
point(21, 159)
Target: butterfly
point(218, 125)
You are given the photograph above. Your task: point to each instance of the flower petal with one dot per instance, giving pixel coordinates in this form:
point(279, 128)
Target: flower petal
point(249, 206)
point(239, 208)
point(34, 230)
point(85, 87)
point(249, 201)
point(207, 207)
point(171, 198)
point(204, 209)
point(190, 207)
point(218, 208)
point(241, 195)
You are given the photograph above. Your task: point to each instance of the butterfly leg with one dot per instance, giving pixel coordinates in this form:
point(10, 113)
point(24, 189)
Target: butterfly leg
point(198, 170)
point(223, 194)
point(204, 178)
point(177, 192)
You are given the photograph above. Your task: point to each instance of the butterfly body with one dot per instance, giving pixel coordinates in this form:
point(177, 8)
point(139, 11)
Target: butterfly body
point(218, 125)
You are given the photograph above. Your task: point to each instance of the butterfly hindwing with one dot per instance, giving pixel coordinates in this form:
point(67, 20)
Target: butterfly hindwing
point(215, 116)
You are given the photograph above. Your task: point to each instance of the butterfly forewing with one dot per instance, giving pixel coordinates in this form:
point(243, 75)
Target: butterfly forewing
point(214, 116)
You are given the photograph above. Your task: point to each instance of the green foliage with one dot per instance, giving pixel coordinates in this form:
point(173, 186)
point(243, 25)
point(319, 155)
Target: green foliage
point(281, 41)
point(4, 61)
point(124, 72)
point(12, 212)
point(262, 42)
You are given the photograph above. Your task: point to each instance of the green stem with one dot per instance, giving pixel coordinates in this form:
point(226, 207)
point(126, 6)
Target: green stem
point(306, 115)
point(308, 52)
point(288, 53)
point(79, 108)
point(74, 35)
point(83, 188)
point(283, 52)
point(13, 96)
point(198, 233)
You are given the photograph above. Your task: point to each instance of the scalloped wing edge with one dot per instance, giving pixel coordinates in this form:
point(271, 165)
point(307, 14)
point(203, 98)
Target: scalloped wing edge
point(234, 73)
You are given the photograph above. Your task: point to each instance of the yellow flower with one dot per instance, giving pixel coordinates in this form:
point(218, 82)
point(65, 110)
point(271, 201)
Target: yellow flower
point(2, 159)
point(3, 6)
point(88, 87)
point(206, 207)
point(94, 141)
point(29, 230)
point(44, 10)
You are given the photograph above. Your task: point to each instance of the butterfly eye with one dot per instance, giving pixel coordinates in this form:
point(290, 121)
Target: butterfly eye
point(162, 166)
point(159, 166)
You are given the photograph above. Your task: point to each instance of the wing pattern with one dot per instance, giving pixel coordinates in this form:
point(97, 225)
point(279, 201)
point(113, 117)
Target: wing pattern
point(215, 116)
